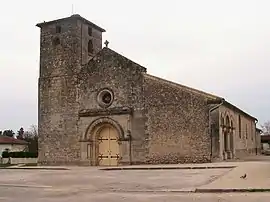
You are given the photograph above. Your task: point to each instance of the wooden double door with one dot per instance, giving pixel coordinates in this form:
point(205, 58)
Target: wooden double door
point(108, 147)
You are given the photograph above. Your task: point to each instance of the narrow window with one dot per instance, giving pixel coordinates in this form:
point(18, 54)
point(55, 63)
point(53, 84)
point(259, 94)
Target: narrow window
point(90, 31)
point(58, 29)
point(251, 130)
point(90, 47)
point(246, 131)
point(222, 121)
point(239, 126)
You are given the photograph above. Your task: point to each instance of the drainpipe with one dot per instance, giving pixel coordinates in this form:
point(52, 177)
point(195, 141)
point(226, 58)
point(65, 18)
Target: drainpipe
point(210, 131)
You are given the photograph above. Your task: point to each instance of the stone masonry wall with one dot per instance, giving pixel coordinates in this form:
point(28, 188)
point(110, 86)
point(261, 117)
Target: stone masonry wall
point(245, 137)
point(215, 133)
point(60, 62)
point(95, 37)
point(124, 78)
point(177, 123)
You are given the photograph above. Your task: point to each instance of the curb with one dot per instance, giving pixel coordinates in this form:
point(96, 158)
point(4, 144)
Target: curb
point(168, 168)
point(32, 168)
point(23, 186)
point(150, 191)
point(232, 190)
point(193, 191)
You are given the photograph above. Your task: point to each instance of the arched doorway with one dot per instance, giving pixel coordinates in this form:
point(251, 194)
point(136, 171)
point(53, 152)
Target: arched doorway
point(227, 137)
point(107, 148)
point(228, 141)
point(103, 143)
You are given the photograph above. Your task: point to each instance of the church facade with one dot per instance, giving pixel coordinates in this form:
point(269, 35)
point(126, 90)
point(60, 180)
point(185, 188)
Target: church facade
point(97, 107)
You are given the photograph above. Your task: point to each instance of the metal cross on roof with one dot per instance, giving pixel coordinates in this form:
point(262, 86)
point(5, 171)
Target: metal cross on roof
point(106, 43)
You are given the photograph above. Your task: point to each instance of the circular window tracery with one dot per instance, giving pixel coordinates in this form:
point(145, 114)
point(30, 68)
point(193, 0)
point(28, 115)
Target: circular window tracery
point(105, 98)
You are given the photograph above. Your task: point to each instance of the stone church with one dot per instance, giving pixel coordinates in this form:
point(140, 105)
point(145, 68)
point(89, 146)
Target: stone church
point(97, 107)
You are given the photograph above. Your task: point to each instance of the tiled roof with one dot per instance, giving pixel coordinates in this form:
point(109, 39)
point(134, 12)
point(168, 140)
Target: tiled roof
point(11, 140)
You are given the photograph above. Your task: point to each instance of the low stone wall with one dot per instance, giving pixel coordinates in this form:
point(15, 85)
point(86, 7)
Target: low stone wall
point(19, 160)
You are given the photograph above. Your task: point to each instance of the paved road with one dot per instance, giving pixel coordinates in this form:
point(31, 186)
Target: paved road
point(90, 184)
point(257, 177)
point(94, 180)
point(39, 195)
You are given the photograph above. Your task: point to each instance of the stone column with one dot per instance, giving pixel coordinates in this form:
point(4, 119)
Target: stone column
point(86, 152)
point(228, 149)
point(221, 143)
point(225, 143)
point(232, 143)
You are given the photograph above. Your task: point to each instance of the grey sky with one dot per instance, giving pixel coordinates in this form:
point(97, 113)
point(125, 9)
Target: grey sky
point(221, 47)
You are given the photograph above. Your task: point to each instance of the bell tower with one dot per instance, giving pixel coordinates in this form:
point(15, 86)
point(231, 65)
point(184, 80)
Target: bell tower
point(65, 45)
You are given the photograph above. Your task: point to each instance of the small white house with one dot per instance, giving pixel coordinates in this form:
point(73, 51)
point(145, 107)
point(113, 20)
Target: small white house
point(11, 144)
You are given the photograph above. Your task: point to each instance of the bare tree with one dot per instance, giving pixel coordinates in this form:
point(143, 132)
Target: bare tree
point(31, 136)
point(32, 132)
point(266, 128)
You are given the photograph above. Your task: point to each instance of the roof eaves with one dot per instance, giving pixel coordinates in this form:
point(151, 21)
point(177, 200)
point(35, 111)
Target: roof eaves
point(71, 17)
point(238, 109)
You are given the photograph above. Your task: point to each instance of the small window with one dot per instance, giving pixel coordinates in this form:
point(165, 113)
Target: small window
point(90, 47)
point(90, 31)
point(58, 29)
point(239, 126)
point(106, 98)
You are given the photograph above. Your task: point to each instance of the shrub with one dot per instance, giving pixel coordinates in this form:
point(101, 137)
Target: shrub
point(20, 154)
point(5, 154)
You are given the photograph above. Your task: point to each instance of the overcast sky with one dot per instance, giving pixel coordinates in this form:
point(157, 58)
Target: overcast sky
point(221, 47)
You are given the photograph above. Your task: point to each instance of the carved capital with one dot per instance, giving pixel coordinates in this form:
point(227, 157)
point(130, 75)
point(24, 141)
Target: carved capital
point(86, 140)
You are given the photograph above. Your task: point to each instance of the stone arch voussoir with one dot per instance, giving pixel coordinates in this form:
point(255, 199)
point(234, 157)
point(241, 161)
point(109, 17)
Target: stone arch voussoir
point(89, 134)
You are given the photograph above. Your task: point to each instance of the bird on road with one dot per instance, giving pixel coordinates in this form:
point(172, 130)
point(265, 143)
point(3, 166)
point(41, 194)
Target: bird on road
point(244, 176)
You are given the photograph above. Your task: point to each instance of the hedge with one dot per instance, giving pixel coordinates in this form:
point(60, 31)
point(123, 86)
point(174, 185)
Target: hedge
point(21, 154)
